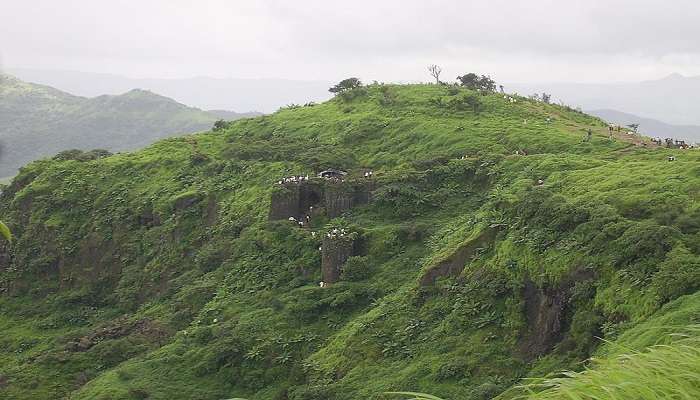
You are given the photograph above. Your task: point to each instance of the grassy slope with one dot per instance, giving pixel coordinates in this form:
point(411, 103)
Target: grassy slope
point(623, 212)
point(657, 359)
point(38, 121)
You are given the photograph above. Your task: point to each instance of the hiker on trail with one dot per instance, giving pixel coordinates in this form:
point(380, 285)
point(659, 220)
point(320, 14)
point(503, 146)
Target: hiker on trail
point(589, 135)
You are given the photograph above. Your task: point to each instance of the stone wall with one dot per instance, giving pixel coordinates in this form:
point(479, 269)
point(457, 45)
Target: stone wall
point(342, 196)
point(334, 253)
point(337, 199)
point(294, 200)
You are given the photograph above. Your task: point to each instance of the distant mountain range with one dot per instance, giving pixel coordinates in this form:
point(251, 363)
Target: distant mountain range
point(650, 127)
point(37, 121)
point(672, 103)
point(265, 95)
point(674, 99)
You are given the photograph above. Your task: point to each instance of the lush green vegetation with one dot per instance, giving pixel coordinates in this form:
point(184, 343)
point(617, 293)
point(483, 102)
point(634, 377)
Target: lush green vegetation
point(37, 121)
point(157, 274)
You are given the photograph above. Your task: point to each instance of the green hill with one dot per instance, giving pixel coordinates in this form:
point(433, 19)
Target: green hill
point(37, 121)
point(491, 244)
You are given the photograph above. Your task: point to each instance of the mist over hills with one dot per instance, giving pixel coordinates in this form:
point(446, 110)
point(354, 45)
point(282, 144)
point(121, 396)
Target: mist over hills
point(649, 126)
point(673, 102)
point(37, 121)
point(674, 99)
point(263, 95)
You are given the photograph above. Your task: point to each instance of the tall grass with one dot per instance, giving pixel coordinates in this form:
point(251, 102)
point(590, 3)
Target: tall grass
point(670, 371)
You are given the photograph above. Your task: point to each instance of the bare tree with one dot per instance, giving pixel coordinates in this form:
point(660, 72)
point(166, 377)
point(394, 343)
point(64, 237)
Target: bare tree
point(435, 71)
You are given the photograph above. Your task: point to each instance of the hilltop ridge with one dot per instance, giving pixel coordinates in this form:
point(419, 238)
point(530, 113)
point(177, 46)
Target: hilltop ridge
point(493, 241)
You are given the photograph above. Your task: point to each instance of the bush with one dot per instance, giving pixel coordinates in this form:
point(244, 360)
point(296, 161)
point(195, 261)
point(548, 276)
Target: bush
point(467, 101)
point(345, 85)
point(475, 82)
point(679, 274)
point(221, 125)
point(355, 269)
point(79, 155)
point(353, 94)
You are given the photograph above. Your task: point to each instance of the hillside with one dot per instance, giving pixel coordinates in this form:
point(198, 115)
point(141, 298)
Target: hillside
point(38, 121)
point(650, 127)
point(492, 243)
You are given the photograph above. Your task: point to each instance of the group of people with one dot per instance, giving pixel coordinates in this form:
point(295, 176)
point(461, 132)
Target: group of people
point(368, 174)
point(301, 223)
point(672, 143)
point(293, 179)
point(336, 233)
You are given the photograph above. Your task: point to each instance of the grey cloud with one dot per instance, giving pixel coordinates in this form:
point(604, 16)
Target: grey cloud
point(387, 39)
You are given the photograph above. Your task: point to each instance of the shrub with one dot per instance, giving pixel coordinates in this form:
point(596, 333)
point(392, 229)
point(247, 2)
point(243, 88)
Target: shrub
point(476, 82)
point(221, 125)
point(138, 394)
point(356, 268)
point(345, 85)
point(678, 274)
point(79, 155)
point(467, 101)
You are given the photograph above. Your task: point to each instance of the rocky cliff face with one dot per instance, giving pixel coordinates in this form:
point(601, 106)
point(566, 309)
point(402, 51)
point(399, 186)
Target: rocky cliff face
point(335, 197)
point(334, 253)
point(295, 200)
point(546, 309)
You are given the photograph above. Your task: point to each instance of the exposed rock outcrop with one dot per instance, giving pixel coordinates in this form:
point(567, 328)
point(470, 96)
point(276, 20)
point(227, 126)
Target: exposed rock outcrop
point(336, 197)
point(294, 200)
point(334, 253)
point(454, 264)
point(117, 329)
point(545, 311)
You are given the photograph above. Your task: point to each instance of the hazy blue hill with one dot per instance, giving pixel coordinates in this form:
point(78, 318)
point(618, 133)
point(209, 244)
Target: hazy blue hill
point(674, 99)
point(38, 121)
point(650, 127)
point(264, 95)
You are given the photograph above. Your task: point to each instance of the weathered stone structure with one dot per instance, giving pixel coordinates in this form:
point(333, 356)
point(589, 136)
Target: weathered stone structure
point(337, 198)
point(334, 196)
point(334, 253)
point(294, 199)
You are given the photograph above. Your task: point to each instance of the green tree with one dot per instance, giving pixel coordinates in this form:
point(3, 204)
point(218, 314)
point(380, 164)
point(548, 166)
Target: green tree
point(476, 82)
point(345, 85)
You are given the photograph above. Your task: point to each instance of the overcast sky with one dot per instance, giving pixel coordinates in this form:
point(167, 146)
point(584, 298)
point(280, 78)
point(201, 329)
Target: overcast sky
point(386, 40)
